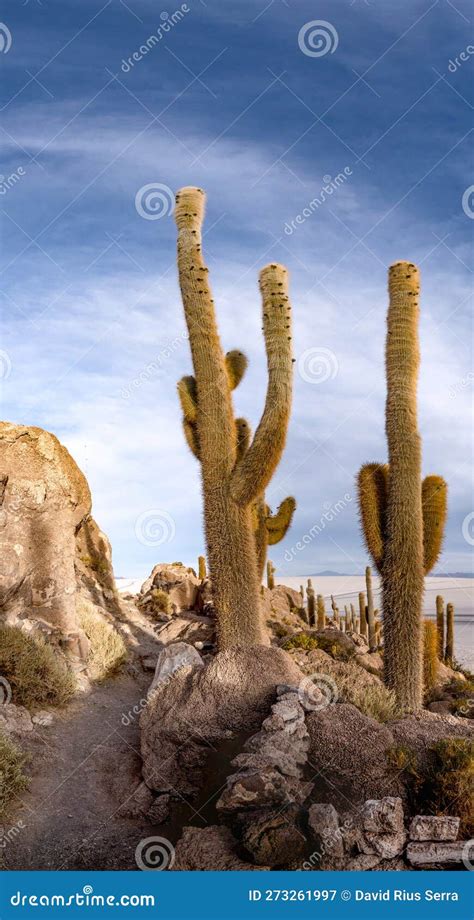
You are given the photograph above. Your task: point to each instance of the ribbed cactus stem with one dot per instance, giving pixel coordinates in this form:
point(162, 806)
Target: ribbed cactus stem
point(449, 653)
point(430, 655)
point(270, 575)
point(370, 610)
point(353, 616)
point(202, 571)
point(403, 566)
point(321, 612)
point(335, 610)
point(232, 475)
point(357, 625)
point(362, 618)
point(343, 624)
point(440, 625)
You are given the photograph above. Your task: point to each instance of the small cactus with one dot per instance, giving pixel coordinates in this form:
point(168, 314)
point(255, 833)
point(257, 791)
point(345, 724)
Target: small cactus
point(270, 575)
point(449, 651)
point(370, 610)
point(202, 571)
point(362, 617)
point(321, 612)
point(311, 604)
point(440, 625)
point(335, 610)
point(430, 655)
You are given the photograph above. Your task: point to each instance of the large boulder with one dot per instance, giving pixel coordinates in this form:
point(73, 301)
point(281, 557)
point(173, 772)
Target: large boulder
point(351, 749)
point(178, 581)
point(44, 498)
point(199, 708)
point(93, 563)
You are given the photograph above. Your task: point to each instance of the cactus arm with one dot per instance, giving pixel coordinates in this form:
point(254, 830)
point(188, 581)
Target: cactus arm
point(278, 524)
point(434, 498)
point(236, 364)
point(243, 434)
point(373, 487)
point(215, 420)
point(253, 473)
point(187, 393)
point(191, 435)
point(440, 625)
point(449, 651)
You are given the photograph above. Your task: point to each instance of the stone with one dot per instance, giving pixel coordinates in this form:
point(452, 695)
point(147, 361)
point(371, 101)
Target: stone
point(433, 853)
point(323, 822)
point(351, 748)
point(383, 825)
point(419, 732)
point(179, 582)
point(93, 565)
point(208, 848)
point(44, 498)
point(434, 827)
point(362, 863)
point(197, 709)
point(188, 627)
point(43, 717)
point(174, 658)
point(272, 838)
point(14, 719)
point(138, 803)
point(255, 789)
point(160, 809)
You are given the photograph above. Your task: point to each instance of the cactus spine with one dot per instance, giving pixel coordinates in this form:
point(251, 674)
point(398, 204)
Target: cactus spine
point(402, 519)
point(202, 571)
point(321, 612)
point(430, 655)
point(362, 617)
point(234, 475)
point(449, 652)
point(270, 575)
point(440, 625)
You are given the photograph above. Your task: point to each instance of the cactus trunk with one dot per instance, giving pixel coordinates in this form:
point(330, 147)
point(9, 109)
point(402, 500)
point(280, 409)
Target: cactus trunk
point(370, 610)
point(362, 617)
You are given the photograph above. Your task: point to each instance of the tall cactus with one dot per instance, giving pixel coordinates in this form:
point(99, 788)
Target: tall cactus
point(233, 478)
point(402, 518)
point(202, 571)
point(270, 575)
point(311, 604)
point(370, 611)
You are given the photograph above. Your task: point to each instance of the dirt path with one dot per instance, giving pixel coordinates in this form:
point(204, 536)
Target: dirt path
point(83, 769)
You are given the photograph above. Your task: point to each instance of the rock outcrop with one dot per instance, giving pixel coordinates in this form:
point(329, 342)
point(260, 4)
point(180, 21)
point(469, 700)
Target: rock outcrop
point(44, 499)
point(198, 708)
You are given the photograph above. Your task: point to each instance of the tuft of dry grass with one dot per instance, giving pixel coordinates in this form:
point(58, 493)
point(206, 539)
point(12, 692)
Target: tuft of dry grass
point(107, 648)
point(376, 701)
point(36, 673)
point(12, 779)
point(451, 781)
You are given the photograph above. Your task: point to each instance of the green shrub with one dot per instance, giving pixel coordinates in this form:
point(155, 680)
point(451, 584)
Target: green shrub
point(36, 673)
point(376, 701)
point(160, 601)
point(107, 648)
point(450, 784)
point(301, 640)
point(12, 779)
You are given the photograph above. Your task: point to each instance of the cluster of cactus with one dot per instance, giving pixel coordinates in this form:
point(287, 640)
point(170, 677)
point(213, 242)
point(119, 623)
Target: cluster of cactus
point(402, 516)
point(236, 469)
point(445, 640)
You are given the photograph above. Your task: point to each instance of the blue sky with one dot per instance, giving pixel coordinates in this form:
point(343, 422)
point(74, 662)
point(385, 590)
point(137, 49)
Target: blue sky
point(228, 98)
